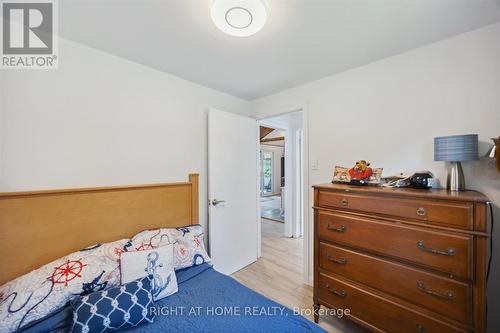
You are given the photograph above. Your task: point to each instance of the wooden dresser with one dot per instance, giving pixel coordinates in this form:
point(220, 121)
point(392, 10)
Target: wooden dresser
point(402, 260)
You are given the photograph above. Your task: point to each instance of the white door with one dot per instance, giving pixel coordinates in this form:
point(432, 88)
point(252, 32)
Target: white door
point(232, 190)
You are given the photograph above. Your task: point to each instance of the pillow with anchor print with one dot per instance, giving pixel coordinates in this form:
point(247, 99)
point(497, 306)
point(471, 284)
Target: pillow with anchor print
point(157, 263)
point(39, 293)
point(189, 248)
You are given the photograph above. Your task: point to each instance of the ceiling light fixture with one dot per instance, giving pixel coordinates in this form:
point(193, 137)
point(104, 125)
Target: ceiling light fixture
point(240, 18)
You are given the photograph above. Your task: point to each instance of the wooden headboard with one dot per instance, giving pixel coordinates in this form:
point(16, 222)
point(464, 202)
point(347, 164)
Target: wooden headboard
point(38, 227)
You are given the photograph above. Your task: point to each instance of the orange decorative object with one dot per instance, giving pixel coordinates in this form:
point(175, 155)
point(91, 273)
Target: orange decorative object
point(361, 170)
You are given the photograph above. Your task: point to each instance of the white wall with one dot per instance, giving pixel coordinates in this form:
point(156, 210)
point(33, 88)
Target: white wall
point(102, 120)
point(389, 112)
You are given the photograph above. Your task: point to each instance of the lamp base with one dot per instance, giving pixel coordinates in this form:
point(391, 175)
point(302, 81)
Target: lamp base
point(455, 180)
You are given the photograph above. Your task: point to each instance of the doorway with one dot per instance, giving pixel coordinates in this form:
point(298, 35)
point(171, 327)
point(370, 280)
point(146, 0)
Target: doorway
point(227, 203)
point(272, 173)
point(281, 181)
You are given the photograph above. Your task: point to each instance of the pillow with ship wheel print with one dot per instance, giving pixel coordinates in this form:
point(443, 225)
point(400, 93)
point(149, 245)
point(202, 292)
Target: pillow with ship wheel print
point(45, 290)
point(189, 249)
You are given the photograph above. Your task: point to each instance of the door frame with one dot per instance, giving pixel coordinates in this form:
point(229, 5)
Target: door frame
point(306, 193)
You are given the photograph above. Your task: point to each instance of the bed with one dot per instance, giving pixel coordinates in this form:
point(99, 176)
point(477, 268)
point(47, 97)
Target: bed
point(58, 222)
point(213, 302)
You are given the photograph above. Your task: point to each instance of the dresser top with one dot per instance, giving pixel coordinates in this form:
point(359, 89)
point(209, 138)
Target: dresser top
point(471, 196)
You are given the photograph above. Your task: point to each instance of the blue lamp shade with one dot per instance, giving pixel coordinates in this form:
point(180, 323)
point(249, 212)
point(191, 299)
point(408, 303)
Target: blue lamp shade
point(456, 148)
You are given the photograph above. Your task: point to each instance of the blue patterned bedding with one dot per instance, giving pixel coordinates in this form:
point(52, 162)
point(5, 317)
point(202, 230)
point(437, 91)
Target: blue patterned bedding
point(209, 301)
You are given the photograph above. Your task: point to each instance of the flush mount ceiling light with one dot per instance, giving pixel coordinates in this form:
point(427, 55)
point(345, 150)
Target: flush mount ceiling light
point(240, 18)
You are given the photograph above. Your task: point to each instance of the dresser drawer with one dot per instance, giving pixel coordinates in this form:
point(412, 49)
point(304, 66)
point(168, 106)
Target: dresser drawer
point(458, 215)
point(446, 252)
point(448, 297)
point(376, 310)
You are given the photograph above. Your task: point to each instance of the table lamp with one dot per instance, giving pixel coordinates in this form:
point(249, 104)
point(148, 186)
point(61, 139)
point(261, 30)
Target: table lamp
point(456, 149)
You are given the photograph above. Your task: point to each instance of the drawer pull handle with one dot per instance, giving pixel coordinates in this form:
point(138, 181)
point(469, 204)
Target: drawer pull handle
point(449, 295)
point(341, 261)
point(341, 228)
point(421, 211)
point(340, 293)
point(450, 252)
point(344, 202)
point(421, 328)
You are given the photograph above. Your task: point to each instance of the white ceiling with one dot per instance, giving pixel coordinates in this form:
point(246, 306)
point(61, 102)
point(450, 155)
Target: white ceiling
point(302, 41)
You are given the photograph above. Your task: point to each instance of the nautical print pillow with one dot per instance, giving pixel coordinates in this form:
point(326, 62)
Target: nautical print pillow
point(118, 307)
point(48, 288)
point(158, 263)
point(189, 249)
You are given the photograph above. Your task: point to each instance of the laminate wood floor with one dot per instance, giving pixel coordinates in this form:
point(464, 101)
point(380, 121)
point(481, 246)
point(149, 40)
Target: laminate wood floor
point(278, 276)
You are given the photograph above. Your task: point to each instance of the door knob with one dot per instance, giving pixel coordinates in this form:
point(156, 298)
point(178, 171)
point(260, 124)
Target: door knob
point(215, 202)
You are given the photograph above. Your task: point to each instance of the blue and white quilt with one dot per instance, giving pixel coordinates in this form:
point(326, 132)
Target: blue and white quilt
point(208, 301)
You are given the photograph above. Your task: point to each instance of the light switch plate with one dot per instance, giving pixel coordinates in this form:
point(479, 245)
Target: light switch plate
point(314, 164)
